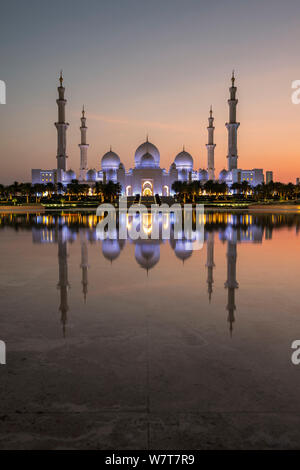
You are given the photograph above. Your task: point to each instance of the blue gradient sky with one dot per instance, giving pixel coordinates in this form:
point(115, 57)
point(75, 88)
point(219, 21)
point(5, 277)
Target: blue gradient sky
point(153, 67)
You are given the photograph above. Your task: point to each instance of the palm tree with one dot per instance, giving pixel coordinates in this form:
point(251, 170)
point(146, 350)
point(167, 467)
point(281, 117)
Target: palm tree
point(26, 190)
point(269, 190)
point(210, 186)
point(99, 189)
point(70, 190)
point(221, 188)
point(111, 190)
point(194, 188)
point(15, 188)
point(60, 188)
point(84, 189)
point(6, 192)
point(181, 189)
point(289, 190)
point(118, 190)
point(50, 189)
point(236, 187)
point(279, 189)
point(177, 186)
point(245, 187)
point(259, 191)
point(10, 191)
point(75, 187)
point(38, 189)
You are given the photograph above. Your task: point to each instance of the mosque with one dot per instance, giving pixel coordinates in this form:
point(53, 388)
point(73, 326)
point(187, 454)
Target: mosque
point(146, 178)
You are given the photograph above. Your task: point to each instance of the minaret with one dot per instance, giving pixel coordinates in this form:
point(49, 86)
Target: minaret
point(210, 263)
point(231, 284)
point(61, 127)
point(83, 148)
point(232, 127)
point(63, 284)
point(211, 147)
point(84, 266)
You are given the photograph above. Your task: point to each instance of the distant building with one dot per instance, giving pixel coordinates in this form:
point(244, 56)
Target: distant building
point(269, 177)
point(253, 177)
point(297, 181)
point(43, 176)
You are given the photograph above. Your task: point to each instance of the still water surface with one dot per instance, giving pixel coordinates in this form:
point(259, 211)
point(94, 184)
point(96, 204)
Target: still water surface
point(147, 344)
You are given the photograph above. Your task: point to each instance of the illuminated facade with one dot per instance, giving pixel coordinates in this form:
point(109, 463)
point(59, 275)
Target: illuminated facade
point(146, 178)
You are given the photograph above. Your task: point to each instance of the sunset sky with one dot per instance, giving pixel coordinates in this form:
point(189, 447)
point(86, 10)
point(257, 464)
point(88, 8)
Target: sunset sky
point(150, 67)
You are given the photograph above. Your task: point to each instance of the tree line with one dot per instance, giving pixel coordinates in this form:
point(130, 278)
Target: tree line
point(184, 191)
point(192, 191)
point(50, 191)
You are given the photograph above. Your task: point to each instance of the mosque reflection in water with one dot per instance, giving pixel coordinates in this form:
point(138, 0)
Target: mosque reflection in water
point(232, 229)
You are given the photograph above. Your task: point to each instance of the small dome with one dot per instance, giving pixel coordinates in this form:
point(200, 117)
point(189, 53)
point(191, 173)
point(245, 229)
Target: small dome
point(173, 166)
point(183, 249)
point(71, 175)
point(203, 175)
point(111, 249)
point(91, 175)
point(184, 160)
point(146, 147)
point(121, 166)
point(147, 160)
point(223, 174)
point(110, 160)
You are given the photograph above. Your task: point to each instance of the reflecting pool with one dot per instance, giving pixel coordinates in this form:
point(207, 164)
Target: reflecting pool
point(149, 344)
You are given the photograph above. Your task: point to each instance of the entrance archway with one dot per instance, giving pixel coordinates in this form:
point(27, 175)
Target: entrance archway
point(166, 190)
point(147, 188)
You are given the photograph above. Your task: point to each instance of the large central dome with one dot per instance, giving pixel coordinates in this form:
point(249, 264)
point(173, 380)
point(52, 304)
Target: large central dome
point(146, 148)
point(147, 254)
point(147, 161)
